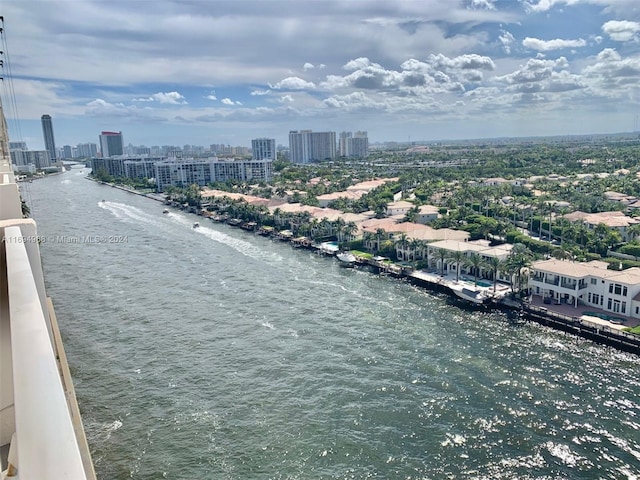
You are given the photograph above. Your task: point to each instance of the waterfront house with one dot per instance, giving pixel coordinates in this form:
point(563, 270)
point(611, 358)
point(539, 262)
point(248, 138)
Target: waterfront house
point(587, 284)
point(482, 248)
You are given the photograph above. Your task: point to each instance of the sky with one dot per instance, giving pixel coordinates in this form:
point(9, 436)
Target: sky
point(176, 72)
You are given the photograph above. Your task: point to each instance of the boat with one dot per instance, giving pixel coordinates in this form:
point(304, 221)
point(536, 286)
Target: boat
point(346, 258)
point(196, 225)
point(165, 211)
point(474, 296)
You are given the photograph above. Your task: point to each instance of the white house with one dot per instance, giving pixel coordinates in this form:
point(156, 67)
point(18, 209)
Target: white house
point(426, 214)
point(587, 284)
point(399, 208)
point(479, 247)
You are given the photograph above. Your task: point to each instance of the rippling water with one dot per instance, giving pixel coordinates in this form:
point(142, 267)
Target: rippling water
point(213, 353)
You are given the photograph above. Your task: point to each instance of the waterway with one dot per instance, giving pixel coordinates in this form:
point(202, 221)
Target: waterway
point(213, 353)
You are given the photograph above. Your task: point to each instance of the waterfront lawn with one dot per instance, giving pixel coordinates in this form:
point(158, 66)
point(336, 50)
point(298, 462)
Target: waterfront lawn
point(635, 330)
point(360, 254)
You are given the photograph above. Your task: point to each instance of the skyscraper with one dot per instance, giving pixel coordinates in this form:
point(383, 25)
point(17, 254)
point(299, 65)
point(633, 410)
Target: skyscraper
point(263, 148)
point(354, 145)
point(306, 146)
point(111, 144)
point(49, 141)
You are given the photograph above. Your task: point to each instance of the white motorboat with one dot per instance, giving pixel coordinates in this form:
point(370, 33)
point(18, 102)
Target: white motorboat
point(165, 211)
point(346, 258)
point(473, 296)
point(196, 225)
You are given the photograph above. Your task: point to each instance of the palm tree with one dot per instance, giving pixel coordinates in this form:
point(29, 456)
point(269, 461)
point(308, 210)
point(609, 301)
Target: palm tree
point(276, 216)
point(442, 255)
point(414, 245)
point(380, 233)
point(495, 265)
point(457, 256)
point(411, 215)
point(337, 225)
point(281, 191)
point(518, 261)
point(403, 244)
point(324, 226)
point(367, 238)
point(475, 261)
point(633, 232)
point(348, 230)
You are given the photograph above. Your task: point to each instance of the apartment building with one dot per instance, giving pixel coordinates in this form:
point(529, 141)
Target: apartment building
point(306, 146)
point(184, 172)
point(263, 148)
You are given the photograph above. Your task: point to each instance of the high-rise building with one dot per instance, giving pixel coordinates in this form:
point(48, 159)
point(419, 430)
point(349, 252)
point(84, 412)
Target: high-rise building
point(343, 145)
point(87, 150)
point(306, 146)
point(359, 145)
point(39, 158)
point(201, 171)
point(66, 151)
point(263, 149)
point(354, 145)
point(49, 141)
point(111, 144)
point(17, 145)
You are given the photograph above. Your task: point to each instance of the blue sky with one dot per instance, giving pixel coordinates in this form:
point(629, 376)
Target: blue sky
point(175, 72)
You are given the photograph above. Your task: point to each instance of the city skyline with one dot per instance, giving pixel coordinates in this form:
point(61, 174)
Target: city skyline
point(420, 70)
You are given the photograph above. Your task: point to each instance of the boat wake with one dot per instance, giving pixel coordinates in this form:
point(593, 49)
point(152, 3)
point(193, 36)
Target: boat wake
point(241, 246)
point(129, 214)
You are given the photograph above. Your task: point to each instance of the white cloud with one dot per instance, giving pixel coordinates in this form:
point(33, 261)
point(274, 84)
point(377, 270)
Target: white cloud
point(285, 99)
point(103, 109)
point(622, 31)
point(173, 98)
point(612, 69)
point(506, 39)
point(310, 66)
point(545, 5)
point(293, 83)
point(535, 70)
point(487, 4)
point(359, 63)
point(468, 61)
point(556, 44)
point(211, 96)
point(259, 92)
point(228, 101)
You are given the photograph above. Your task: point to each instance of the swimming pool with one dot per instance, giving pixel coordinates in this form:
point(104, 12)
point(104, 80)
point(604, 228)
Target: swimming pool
point(604, 316)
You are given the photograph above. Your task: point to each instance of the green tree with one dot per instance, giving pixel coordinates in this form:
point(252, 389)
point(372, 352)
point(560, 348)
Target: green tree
point(495, 265)
point(457, 257)
point(475, 262)
point(441, 256)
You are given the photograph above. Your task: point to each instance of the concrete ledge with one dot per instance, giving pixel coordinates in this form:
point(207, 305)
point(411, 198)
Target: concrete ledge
point(48, 448)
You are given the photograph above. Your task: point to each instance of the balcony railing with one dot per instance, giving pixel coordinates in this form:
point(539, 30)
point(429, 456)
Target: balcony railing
point(39, 418)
